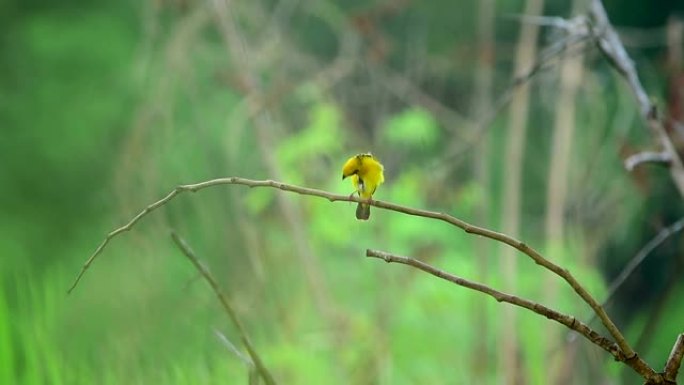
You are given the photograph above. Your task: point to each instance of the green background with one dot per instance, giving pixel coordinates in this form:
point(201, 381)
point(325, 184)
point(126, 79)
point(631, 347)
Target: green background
point(106, 106)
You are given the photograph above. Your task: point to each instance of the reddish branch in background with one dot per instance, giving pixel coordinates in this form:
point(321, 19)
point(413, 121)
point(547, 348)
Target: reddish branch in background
point(674, 124)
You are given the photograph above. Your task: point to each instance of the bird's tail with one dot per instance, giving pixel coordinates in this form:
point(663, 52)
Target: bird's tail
point(363, 211)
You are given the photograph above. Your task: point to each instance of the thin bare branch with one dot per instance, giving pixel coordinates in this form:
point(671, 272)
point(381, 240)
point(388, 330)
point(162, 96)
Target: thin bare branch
point(465, 226)
point(632, 357)
point(640, 158)
point(612, 48)
point(233, 349)
point(542, 21)
point(569, 45)
point(659, 307)
point(263, 120)
point(564, 319)
point(639, 257)
point(254, 356)
point(675, 360)
point(483, 96)
point(120, 230)
point(402, 87)
point(511, 201)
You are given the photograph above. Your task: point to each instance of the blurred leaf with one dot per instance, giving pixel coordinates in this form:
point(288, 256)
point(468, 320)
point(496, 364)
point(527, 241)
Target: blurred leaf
point(469, 196)
point(256, 200)
point(414, 127)
point(298, 152)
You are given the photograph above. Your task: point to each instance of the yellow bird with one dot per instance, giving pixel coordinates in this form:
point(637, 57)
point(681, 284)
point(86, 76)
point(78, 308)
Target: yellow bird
point(366, 175)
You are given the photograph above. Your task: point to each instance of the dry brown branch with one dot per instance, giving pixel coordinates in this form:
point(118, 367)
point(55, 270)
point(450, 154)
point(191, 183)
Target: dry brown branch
point(631, 359)
point(254, 356)
point(612, 48)
point(465, 226)
point(564, 319)
point(675, 360)
point(632, 265)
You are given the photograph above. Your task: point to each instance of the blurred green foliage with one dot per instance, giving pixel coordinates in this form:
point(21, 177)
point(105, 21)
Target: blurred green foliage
point(105, 106)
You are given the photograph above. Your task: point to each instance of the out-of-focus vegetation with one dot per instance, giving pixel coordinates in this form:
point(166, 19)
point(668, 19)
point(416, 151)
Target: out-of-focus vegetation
point(105, 106)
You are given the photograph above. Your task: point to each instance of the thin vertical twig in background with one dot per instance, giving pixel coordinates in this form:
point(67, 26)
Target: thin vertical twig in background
point(263, 122)
point(484, 79)
point(512, 185)
point(571, 70)
point(481, 125)
point(258, 363)
point(561, 145)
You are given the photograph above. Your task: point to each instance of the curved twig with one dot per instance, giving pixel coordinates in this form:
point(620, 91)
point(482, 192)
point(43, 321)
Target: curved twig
point(639, 257)
point(632, 359)
point(465, 226)
point(253, 355)
point(564, 319)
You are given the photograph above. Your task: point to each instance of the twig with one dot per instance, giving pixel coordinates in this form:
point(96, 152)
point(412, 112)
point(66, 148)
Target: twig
point(511, 202)
point(258, 364)
point(557, 22)
point(404, 89)
point(543, 62)
point(263, 120)
point(612, 48)
point(675, 360)
point(465, 226)
point(564, 319)
point(639, 257)
point(637, 159)
point(659, 306)
point(233, 349)
point(483, 97)
point(632, 357)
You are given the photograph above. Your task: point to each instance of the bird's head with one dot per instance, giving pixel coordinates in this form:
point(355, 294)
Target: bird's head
point(351, 167)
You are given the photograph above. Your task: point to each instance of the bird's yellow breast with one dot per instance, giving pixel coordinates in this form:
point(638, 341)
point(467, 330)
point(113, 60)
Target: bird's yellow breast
point(366, 174)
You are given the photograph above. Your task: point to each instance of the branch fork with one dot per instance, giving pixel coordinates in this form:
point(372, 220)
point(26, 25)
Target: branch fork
point(620, 349)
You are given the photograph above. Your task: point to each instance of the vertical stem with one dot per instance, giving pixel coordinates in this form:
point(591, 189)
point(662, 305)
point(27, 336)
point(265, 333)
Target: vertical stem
point(483, 102)
point(558, 176)
point(263, 123)
point(513, 161)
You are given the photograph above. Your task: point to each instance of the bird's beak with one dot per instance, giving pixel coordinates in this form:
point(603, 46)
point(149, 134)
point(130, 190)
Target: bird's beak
point(343, 176)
